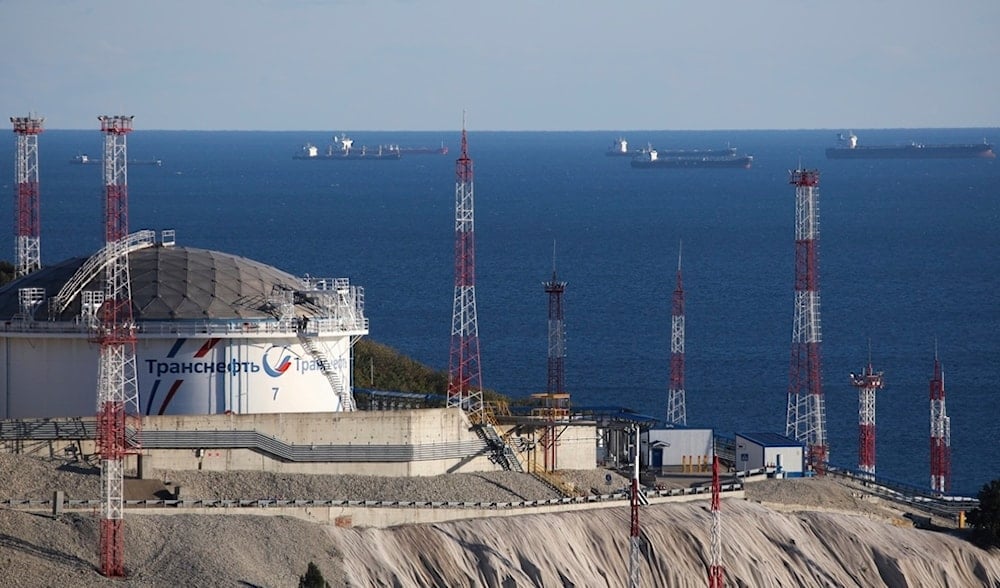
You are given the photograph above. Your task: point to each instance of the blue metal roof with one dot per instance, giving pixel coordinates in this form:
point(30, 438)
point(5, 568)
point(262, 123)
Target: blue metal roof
point(771, 440)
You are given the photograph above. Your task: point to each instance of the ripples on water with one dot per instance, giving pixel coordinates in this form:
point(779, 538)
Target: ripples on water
point(909, 255)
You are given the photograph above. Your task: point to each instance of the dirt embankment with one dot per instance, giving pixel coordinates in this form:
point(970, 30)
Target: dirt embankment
point(787, 533)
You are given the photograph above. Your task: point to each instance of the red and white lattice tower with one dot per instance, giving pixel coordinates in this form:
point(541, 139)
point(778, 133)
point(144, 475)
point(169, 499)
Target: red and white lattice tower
point(29, 253)
point(465, 373)
point(556, 380)
point(716, 573)
point(940, 433)
point(868, 383)
point(117, 389)
point(676, 411)
point(806, 416)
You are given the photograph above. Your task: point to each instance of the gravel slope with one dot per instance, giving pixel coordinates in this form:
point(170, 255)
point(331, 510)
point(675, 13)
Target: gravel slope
point(833, 536)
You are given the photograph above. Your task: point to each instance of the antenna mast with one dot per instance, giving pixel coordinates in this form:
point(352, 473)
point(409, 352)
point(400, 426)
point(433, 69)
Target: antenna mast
point(940, 433)
point(465, 374)
point(28, 254)
point(716, 573)
point(117, 388)
point(806, 415)
point(557, 332)
point(676, 410)
point(868, 382)
point(637, 498)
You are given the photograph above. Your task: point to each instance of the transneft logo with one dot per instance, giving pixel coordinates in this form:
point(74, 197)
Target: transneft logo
point(283, 364)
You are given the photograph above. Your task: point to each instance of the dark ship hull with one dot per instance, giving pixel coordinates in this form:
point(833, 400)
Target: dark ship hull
point(669, 162)
point(442, 150)
point(915, 151)
point(354, 155)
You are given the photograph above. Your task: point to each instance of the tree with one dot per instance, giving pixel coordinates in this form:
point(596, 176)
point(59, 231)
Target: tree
point(7, 272)
point(313, 578)
point(985, 518)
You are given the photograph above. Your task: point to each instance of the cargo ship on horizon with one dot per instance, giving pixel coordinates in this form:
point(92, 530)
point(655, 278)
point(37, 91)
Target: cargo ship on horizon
point(442, 150)
point(651, 158)
point(849, 148)
point(620, 148)
point(84, 159)
point(343, 149)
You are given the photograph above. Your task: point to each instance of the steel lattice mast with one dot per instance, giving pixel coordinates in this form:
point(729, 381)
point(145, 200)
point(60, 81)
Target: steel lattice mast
point(28, 252)
point(676, 410)
point(555, 384)
point(465, 373)
point(716, 573)
point(556, 380)
point(806, 416)
point(117, 389)
point(940, 433)
point(634, 555)
point(868, 383)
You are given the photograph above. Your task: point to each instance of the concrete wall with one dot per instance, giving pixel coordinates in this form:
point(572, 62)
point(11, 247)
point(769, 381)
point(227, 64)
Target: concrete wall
point(430, 441)
point(428, 427)
point(362, 516)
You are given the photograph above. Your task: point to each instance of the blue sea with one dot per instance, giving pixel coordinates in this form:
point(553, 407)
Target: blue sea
point(909, 258)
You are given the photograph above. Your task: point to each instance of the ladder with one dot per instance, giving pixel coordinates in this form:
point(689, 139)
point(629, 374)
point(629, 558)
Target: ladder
point(346, 398)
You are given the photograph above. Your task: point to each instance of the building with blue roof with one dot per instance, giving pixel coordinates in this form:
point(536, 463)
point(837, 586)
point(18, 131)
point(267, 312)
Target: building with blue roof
point(770, 450)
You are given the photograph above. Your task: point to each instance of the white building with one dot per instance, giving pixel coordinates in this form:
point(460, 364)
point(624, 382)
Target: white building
point(676, 447)
point(771, 450)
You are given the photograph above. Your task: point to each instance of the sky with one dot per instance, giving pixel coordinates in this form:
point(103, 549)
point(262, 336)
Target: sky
point(546, 65)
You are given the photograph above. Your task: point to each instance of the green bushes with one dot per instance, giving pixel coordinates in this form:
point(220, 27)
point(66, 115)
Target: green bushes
point(985, 519)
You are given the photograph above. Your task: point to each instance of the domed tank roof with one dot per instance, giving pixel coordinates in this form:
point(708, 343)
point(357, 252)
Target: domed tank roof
point(173, 283)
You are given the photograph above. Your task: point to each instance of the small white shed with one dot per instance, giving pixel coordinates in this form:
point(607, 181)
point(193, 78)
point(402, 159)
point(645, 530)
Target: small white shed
point(759, 450)
point(676, 446)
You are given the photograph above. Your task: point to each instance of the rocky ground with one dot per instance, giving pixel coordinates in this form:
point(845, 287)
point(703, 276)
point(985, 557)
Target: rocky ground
point(804, 532)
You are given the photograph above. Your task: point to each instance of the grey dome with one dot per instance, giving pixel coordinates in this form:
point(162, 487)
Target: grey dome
point(173, 283)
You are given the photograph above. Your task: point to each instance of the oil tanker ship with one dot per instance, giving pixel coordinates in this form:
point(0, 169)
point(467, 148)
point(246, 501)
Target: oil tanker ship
point(442, 150)
point(651, 158)
point(84, 159)
point(848, 148)
point(620, 148)
point(343, 149)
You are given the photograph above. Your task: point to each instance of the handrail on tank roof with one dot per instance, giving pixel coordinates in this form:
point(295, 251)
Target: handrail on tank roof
point(95, 264)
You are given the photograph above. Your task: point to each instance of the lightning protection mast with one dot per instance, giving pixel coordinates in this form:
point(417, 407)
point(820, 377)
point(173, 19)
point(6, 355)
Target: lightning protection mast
point(868, 383)
point(806, 415)
point(27, 224)
point(637, 498)
point(940, 433)
point(464, 373)
point(676, 411)
point(716, 573)
point(556, 381)
point(117, 389)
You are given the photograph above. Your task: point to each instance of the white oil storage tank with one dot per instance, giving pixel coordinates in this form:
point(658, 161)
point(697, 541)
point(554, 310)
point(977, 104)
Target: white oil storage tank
point(215, 333)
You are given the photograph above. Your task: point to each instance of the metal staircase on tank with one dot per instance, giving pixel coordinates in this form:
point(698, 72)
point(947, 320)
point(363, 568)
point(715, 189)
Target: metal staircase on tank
point(346, 398)
point(503, 454)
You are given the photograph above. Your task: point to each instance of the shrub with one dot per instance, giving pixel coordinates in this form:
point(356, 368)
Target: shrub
point(985, 518)
point(313, 578)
